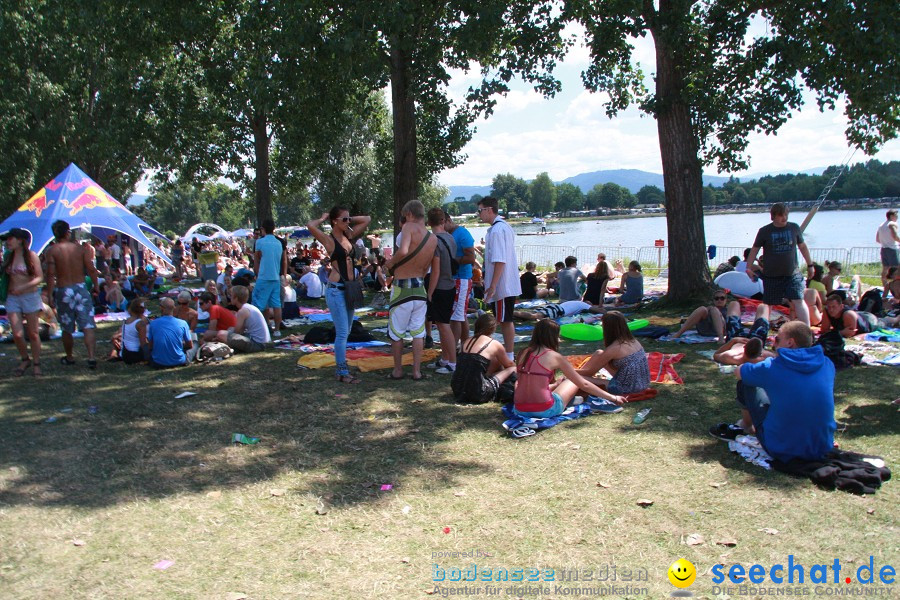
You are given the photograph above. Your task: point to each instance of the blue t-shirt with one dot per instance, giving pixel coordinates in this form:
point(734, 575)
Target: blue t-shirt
point(463, 240)
point(800, 385)
point(168, 335)
point(270, 262)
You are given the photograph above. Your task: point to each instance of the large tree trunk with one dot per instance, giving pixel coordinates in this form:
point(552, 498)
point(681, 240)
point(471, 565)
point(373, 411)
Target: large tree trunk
point(404, 109)
point(263, 182)
point(682, 170)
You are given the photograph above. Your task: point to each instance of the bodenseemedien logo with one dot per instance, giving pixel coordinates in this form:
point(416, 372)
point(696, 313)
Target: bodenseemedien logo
point(682, 574)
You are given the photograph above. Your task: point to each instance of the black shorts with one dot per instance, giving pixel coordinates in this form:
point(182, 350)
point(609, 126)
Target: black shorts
point(503, 309)
point(440, 309)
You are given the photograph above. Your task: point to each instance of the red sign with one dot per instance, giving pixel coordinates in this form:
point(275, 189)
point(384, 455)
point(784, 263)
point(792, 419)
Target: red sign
point(660, 243)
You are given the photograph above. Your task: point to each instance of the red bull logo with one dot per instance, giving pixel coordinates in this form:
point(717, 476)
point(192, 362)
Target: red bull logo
point(37, 203)
point(92, 197)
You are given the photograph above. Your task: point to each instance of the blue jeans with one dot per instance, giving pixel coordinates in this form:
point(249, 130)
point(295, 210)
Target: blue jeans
point(343, 319)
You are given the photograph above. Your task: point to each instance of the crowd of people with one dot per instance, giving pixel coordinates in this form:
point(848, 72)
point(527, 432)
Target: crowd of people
point(436, 279)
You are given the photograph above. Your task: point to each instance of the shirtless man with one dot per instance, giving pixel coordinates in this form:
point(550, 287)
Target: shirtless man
point(408, 295)
point(67, 265)
point(740, 350)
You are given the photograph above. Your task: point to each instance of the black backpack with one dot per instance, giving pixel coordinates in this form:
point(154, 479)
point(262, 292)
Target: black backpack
point(872, 302)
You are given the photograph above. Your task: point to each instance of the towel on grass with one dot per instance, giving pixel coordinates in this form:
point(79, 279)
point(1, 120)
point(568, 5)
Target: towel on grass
point(519, 426)
point(363, 359)
point(690, 337)
point(662, 369)
point(727, 369)
point(309, 348)
point(751, 451)
point(884, 335)
point(111, 316)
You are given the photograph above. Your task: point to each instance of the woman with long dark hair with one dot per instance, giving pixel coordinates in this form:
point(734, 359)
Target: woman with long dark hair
point(623, 356)
point(341, 247)
point(482, 365)
point(538, 394)
point(23, 300)
point(596, 284)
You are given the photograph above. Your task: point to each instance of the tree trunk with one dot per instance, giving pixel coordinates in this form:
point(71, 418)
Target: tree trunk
point(263, 182)
point(404, 113)
point(682, 170)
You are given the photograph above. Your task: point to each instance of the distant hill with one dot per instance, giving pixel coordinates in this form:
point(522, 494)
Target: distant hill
point(633, 179)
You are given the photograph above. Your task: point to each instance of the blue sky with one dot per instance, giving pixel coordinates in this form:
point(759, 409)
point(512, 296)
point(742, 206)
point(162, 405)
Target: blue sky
point(571, 134)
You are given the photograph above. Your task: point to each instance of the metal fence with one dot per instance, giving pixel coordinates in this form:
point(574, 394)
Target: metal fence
point(653, 258)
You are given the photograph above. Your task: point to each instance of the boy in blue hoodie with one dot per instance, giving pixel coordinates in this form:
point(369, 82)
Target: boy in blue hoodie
point(789, 399)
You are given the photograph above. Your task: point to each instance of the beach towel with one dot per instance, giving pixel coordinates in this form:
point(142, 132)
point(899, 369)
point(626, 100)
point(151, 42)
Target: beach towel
point(884, 335)
point(309, 348)
point(518, 426)
point(662, 369)
point(689, 337)
point(364, 359)
point(111, 317)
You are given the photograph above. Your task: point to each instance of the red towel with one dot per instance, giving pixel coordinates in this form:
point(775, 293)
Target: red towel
point(662, 369)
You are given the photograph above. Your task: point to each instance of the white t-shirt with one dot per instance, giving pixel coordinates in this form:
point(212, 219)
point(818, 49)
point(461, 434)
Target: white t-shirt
point(115, 251)
point(313, 285)
point(500, 247)
point(255, 326)
point(884, 235)
point(288, 294)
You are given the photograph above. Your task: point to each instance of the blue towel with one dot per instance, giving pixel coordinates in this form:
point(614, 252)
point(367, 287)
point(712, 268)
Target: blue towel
point(513, 421)
point(884, 335)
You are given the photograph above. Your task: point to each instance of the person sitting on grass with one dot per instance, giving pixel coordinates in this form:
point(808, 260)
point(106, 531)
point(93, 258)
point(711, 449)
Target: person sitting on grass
point(141, 282)
point(220, 318)
point(115, 299)
point(596, 284)
point(622, 355)
point(251, 332)
point(529, 283)
point(184, 311)
point(555, 311)
point(849, 322)
point(788, 400)
point(727, 266)
point(130, 343)
point(709, 320)
point(169, 339)
point(538, 394)
point(740, 350)
point(482, 365)
point(632, 285)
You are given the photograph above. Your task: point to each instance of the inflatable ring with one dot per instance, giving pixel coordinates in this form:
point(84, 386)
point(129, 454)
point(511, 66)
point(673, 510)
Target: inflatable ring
point(583, 332)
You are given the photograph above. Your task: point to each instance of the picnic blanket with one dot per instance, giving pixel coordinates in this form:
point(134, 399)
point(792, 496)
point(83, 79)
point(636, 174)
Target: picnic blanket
point(884, 335)
point(727, 369)
point(689, 337)
point(364, 359)
point(875, 354)
point(518, 426)
point(661, 366)
point(111, 316)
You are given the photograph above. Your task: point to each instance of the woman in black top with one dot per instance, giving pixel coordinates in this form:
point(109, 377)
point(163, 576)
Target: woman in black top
point(341, 248)
point(596, 284)
point(482, 365)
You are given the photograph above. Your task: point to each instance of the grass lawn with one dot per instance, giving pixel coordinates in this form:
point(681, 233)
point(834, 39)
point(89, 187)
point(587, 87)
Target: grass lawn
point(90, 503)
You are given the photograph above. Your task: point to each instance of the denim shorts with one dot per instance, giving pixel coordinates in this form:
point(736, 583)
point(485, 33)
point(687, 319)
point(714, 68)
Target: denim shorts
point(24, 303)
point(553, 411)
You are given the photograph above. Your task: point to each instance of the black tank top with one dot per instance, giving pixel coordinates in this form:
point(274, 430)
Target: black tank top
point(340, 256)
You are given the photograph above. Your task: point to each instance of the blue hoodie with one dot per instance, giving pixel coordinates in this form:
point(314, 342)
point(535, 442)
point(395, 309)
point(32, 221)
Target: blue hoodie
point(800, 385)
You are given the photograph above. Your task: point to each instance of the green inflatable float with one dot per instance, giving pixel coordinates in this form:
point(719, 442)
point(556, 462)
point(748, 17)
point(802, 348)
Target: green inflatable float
point(583, 332)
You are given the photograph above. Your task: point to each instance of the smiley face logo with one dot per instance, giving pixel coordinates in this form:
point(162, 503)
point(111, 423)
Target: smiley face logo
point(682, 573)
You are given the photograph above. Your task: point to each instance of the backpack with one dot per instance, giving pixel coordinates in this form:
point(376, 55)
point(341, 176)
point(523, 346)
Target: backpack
point(214, 352)
point(454, 264)
point(872, 302)
point(833, 347)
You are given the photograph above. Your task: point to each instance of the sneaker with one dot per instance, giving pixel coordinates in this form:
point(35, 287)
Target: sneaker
point(602, 405)
point(438, 364)
point(577, 400)
point(725, 431)
point(276, 334)
point(446, 370)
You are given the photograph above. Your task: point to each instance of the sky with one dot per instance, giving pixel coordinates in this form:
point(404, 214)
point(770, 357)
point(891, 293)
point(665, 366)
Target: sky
point(571, 134)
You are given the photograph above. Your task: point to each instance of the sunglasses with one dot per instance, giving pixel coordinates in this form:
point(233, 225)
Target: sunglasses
point(719, 298)
point(478, 210)
point(346, 219)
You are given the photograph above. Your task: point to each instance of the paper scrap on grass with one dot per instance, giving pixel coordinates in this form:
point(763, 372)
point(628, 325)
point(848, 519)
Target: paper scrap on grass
point(185, 395)
point(164, 564)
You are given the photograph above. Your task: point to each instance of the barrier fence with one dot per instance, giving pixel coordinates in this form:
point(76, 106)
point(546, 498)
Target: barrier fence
point(654, 259)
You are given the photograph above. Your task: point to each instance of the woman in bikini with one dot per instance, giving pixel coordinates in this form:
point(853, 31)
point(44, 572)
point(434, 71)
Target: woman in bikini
point(482, 365)
point(623, 356)
point(340, 245)
point(23, 300)
point(538, 393)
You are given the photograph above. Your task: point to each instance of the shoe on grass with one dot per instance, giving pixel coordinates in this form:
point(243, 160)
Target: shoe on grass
point(445, 370)
point(725, 431)
point(602, 405)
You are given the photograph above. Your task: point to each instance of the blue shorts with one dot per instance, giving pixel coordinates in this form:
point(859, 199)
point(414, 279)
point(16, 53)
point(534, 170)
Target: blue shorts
point(267, 294)
point(760, 329)
point(553, 411)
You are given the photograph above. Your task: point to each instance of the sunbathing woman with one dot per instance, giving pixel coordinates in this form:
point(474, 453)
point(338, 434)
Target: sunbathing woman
point(538, 394)
point(632, 285)
point(482, 365)
point(623, 356)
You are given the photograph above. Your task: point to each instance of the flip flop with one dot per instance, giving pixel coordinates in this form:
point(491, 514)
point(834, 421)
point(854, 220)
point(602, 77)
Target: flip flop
point(391, 377)
point(65, 360)
point(20, 370)
point(421, 377)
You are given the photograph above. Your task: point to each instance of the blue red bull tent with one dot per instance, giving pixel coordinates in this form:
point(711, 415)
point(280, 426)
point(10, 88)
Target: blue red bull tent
point(74, 197)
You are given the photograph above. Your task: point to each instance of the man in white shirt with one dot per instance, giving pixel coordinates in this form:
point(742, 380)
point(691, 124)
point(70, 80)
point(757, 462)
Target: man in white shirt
point(251, 333)
point(310, 284)
point(501, 269)
point(115, 253)
point(889, 239)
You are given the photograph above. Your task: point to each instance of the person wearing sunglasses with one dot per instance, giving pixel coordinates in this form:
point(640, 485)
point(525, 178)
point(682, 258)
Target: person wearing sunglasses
point(709, 320)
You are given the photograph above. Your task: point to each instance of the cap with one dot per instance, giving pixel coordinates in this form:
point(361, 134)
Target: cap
point(17, 232)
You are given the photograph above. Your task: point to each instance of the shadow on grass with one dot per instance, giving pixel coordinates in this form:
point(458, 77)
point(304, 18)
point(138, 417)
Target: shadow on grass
point(339, 440)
